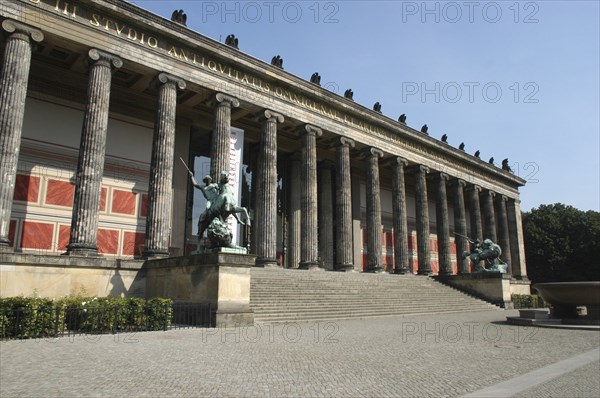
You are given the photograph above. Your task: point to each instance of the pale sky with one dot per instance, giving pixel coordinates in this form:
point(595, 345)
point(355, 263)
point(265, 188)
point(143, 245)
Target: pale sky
point(517, 80)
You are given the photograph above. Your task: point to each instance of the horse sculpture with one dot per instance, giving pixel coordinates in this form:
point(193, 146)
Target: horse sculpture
point(490, 253)
point(220, 204)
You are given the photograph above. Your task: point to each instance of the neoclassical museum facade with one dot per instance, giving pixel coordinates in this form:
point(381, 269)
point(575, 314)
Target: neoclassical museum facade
point(98, 101)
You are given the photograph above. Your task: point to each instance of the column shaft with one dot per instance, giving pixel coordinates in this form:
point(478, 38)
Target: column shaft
point(517, 246)
point(489, 217)
point(220, 143)
point(443, 225)
point(326, 215)
point(400, 216)
point(90, 167)
point(422, 213)
point(503, 234)
point(294, 215)
point(475, 212)
point(309, 245)
point(344, 244)
point(158, 220)
point(13, 91)
point(374, 250)
point(266, 192)
point(460, 227)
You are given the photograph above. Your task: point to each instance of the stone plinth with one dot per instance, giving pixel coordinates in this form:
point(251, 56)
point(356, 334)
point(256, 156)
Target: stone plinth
point(59, 276)
point(490, 286)
point(219, 279)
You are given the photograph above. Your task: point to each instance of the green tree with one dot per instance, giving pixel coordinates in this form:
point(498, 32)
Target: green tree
point(562, 244)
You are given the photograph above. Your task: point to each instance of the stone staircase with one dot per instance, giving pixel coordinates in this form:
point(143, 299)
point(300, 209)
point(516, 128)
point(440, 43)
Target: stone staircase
point(288, 295)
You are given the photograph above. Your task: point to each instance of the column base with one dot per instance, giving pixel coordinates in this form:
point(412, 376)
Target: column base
point(375, 269)
point(401, 271)
point(82, 250)
point(308, 265)
point(265, 262)
point(425, 272)
point(147, 253)
point(6, 246)
point(345, 268)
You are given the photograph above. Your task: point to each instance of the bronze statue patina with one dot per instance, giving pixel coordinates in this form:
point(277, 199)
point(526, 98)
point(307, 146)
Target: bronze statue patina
point(220, 204)
point(488, 252)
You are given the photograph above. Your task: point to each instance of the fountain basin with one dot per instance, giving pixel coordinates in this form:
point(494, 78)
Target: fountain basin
point(566, 296)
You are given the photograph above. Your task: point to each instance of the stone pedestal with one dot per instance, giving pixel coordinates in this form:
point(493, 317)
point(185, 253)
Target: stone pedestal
point(158, 220)
point(219, 279)
point(13, 90)
point(90, 167)
point(490, 286)
point(343, 182)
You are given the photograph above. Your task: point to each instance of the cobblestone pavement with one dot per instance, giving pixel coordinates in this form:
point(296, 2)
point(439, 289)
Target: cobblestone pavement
point(411, 356)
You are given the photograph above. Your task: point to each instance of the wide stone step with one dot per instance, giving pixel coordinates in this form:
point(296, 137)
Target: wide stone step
point(333, 317)
point(291, 295)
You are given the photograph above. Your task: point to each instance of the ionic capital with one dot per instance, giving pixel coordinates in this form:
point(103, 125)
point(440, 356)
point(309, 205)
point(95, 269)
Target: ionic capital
point(310, 130)
point(502, 198)
point(473, 187)
point(165, 78)
point(398, 161)
point(270, 116)
point(458, 182)
point(24, 31)
point(225, 99)
point(98, 57)
point(488, 192)
point(441, 176)
point(372, 152)
point(419, 169)
point(344, 141)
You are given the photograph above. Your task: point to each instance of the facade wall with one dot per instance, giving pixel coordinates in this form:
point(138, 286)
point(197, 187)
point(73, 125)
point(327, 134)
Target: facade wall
point(43, 197)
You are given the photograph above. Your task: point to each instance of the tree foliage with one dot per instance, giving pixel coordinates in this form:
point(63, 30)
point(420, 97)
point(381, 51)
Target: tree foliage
point(562, 244)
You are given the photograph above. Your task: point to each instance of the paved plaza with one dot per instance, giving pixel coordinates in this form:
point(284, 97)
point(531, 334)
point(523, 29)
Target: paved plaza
point(445, 355)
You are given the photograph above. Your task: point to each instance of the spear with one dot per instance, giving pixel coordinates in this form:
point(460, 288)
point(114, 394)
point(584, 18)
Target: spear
point(466, 237)
point(186, 167)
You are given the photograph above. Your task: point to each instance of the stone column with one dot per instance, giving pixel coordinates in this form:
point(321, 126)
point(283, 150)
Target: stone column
point(460, 227)
point(158, 220)
point(13, 91)
point(517, 246)
point(266, 192)
point(344, 245)
point(399, 215)
point(90, 167)
point(326, 220)
point(221, 134)
point(473, 192)
point(487, 207)
point(422, 218)
point(309, 244)
point(295, 215)
point(374, 250)
point(442, 224)
point(503, 234)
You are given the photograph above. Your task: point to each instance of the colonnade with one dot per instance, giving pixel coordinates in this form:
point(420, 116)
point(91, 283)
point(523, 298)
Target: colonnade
point(501, 220)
